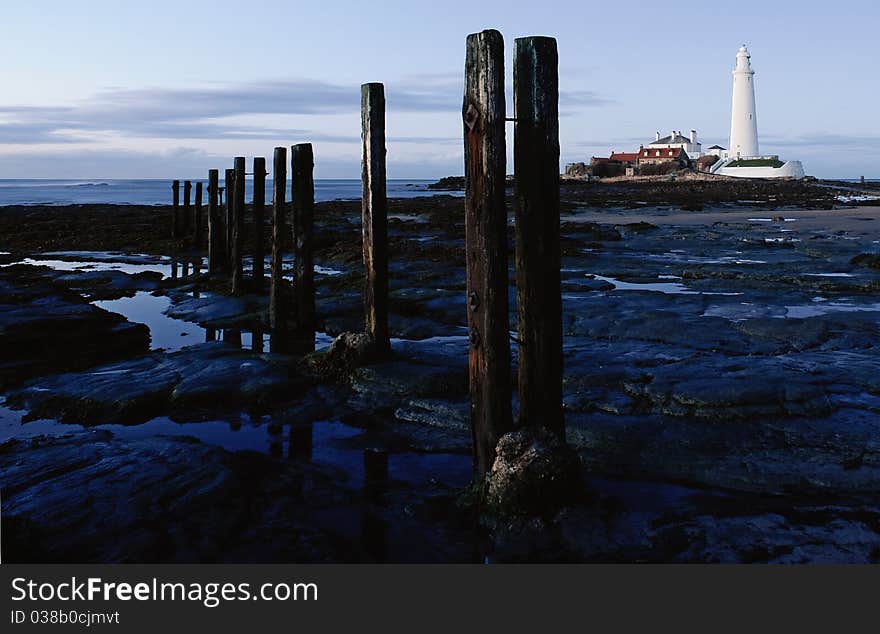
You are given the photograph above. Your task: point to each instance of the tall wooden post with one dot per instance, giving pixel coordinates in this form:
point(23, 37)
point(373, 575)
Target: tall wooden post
point(259, 214)
point(229, 184)
point(277, 304)
point(197, 231)
point(302, 166)
point(539, 299)
point(215, 226)
point(175, 209)
point(237, 226)
point(374, 215)
point(485, 165)
point(187, 210)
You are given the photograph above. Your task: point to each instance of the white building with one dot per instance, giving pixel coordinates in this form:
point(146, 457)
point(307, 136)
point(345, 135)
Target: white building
point(743, 159)
point(692, 147)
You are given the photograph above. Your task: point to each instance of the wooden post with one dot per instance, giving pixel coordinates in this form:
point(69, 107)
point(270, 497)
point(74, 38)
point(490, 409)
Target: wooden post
point(539, 298)
point(237, 226)
point(187, 192)
point(257, 340)
point(197, 231)
point(229, 183)
point(374, 215)
point(175, 209)
point(485, 164)
point(232, 337)
point(302, 166)
point(277, 312)
point(259, 214)
point(215, 226)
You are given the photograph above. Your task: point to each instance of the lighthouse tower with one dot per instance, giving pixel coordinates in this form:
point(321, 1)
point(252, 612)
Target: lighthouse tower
point(743, 121)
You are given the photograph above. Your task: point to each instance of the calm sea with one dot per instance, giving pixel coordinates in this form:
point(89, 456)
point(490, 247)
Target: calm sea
point(158, 192)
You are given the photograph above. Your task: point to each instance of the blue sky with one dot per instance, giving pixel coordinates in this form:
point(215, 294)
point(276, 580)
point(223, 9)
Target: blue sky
point(170, 89)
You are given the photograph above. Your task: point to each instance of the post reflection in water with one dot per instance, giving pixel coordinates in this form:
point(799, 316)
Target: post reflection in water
point(257, 340)
point(374, 528)
point(374, 534)
point(276, 447)
point(232, 337)
point(375, 473)
point(301, 442)
point(210, 334)
point(297, 343)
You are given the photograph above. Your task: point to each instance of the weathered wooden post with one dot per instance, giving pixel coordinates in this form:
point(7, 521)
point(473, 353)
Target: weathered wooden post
point(197, 231)
point(539, 298)
point(215, 226)
point(232, 337)
point(257, 340)
point(175, 209)
point(259, 214)
point(229, 183)
point(374, 215)
point(485, 165)
point(277, 311)
point(187, 210)
point(237, 226)
point(302, 166)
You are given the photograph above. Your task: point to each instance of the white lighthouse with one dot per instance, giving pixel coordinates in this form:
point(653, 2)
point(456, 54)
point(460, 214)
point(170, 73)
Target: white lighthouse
point(743, 121)
point(743, 160)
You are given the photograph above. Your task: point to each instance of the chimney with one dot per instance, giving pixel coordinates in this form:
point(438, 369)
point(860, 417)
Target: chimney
point(658, 136)
point(672, 140)
point(693, 136)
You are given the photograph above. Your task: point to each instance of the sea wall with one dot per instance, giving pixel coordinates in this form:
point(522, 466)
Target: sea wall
point(791, 169)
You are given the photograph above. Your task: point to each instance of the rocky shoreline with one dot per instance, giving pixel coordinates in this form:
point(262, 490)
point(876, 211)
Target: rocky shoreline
point(720, 388)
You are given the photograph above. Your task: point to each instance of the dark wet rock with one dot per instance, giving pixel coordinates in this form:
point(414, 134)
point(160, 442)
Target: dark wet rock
point(635, 227)
point(348, 351)
point(838, 536)
point(211, 376)
point(216, 309)
point(869, 260)
point(535, 474)
point(44, 329)
point(590, 231)
point(91, 498)
point(448, 183)
point(776, 456)
point(793, 334)
point(730, 392)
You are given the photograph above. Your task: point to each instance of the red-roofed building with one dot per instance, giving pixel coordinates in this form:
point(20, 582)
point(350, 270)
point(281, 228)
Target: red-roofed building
point(625, 157)
point(654, 156)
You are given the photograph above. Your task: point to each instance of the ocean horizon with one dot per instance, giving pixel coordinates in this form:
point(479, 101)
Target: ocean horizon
point(85, 191)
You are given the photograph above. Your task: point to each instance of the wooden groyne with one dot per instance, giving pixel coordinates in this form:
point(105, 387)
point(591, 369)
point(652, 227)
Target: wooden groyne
point(292, 310)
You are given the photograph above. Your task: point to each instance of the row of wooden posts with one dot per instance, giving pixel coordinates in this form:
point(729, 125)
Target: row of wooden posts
point(225, 227)
point(536, 170)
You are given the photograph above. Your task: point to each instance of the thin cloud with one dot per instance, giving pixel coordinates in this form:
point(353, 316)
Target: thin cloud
point(202, 112)
point(198, 113)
